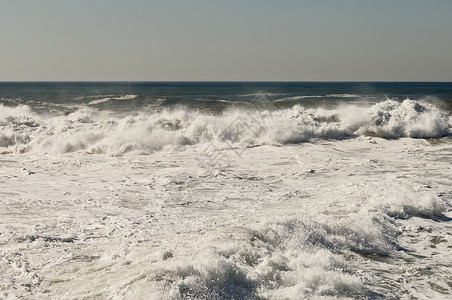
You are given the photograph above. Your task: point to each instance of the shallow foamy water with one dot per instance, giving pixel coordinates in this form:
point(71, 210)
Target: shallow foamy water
point(363, 217)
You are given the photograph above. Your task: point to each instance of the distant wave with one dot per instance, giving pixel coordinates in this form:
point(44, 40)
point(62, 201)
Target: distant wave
point(318, 96)
point(216, 100)
point(92, 131)
point(298, 98)
point(112, 97)
point(343, 95)
point(262, 94)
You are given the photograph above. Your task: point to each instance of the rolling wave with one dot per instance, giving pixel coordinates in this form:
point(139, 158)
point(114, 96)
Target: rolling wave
point(92, 131)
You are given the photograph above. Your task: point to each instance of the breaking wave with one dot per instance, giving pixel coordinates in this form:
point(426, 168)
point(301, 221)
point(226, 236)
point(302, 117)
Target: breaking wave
point(93, 131)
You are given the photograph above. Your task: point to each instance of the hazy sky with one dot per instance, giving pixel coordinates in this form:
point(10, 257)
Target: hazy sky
point(331, 40)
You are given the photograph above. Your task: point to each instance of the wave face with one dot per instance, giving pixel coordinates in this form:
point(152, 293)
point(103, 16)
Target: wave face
point(93, 131)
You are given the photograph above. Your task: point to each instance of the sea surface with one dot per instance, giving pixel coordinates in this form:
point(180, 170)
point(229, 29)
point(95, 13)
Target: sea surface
point(225, 190)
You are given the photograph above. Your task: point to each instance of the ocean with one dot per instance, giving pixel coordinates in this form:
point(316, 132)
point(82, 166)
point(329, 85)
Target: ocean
point(225, 190)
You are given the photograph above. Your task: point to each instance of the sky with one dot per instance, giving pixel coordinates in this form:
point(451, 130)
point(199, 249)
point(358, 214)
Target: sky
point(247, 40)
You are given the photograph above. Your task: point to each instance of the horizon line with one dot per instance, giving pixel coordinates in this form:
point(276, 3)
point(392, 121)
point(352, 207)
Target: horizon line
point(221, 81)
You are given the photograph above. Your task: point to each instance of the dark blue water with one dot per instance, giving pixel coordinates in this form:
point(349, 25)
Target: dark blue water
point(213, 96)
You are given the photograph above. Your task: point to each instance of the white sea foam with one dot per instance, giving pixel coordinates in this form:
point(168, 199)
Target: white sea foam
point(350, 218)
point(98, 132)
point(394, 119)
